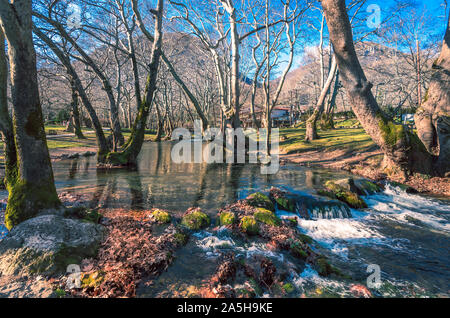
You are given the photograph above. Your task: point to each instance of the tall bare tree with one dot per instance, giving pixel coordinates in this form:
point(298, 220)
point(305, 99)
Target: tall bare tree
point(33, 187)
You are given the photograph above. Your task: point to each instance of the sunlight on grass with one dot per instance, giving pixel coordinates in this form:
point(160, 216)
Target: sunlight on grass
point(356, 139)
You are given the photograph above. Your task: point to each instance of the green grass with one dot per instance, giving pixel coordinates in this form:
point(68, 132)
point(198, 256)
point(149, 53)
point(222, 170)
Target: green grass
point(64, 142)
point(351, 139)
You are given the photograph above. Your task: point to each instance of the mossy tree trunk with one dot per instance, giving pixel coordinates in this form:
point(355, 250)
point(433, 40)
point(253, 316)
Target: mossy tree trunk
point(76, 112)
point(6, 126)
point(403, 150)
point(103, 147)
point(128, 156)
point(311, 123)
point(433, 117)
point(33, 187)
point(118, 139)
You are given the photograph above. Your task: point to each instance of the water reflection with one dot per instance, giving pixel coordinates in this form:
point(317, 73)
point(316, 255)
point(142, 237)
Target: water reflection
point(158, 182)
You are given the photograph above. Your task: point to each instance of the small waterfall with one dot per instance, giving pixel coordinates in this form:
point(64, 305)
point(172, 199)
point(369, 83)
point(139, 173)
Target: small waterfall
point(311, 208)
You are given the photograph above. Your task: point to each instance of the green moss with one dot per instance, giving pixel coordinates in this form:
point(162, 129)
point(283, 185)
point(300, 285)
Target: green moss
point(26, 199)
point(181, 238)
point(93, 216)
point(286, 204)
point(324, 268)
point(92, 280)
point(34, 126)
point(196, 220)
point(267, 217)
point(117, 158)
point(260, 200)
point(292, 221)
point(344, 195)
point(371, 187)
point(60, 293)
point(227, 218)
point(391, 132)
point(249, 225)
point(288, 288)
point(162, 217)
point(297, 249)
point(305, 238)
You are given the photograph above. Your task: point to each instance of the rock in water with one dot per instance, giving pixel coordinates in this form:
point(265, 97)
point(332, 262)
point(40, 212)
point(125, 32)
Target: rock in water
point(47, 244)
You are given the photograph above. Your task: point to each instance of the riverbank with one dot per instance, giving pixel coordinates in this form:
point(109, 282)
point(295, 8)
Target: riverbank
point(352, 150)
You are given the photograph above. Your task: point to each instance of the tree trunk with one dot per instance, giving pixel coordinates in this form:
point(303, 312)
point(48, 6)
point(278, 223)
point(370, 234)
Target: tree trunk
point(433, 118)
point(311, 123)
point(128, 157)
point(76, 112)
point(6, 126)
point(102, 143)
point(33, 188)
point(403, 150)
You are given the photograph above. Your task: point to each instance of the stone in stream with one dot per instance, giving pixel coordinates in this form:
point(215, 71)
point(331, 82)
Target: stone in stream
point(309, 207)
point(47, 244)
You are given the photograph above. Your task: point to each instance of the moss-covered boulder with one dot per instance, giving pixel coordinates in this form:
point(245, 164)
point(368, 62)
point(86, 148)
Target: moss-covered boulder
point(227, 218)
point(345, 195)
point(260, 200)
point(195, 219)
point(298, 249)
point(359, 186)
point(47, 244)
point(324, 268)
point(286, 204)
point(161, 216)
point(249, 225)
point(267, 217)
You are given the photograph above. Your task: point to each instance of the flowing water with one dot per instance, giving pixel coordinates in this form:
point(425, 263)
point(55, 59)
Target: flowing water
point(406, 235)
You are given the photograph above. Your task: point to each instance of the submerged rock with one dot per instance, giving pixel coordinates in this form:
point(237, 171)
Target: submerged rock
point(47, 244)
point(340, 192)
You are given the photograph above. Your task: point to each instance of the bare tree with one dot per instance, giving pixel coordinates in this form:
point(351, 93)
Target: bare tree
point(32, 188)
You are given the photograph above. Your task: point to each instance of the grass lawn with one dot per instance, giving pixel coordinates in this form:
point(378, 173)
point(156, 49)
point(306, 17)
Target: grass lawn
point(354, 139)
point(60, 142)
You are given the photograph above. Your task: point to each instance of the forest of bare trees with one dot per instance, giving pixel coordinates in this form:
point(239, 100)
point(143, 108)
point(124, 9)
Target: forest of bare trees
point(160, 65)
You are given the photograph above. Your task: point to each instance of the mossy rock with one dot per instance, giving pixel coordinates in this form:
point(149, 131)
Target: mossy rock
point(288, 288)
point(305, 238)
point(47, 244)
point(260, 200)
point(297, 249)
point(403, 187)
point(181, 238)
point(286, 204)
point(344, 195)
point(267, 217)
point(249, 225)
point(324, 268)
point(196, 220)
point(161, 216)
point(227, 218)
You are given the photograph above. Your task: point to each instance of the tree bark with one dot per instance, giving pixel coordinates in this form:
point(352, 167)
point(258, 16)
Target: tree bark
point(6, 126)
point(102, 143)
point(403, 150)
point(128, 157)
point(33, 188)
point(76, 112)
point(433, 118)
point(311, 123)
